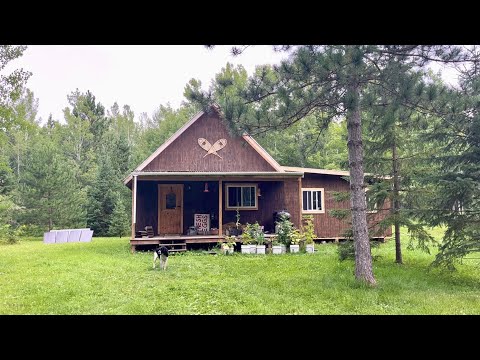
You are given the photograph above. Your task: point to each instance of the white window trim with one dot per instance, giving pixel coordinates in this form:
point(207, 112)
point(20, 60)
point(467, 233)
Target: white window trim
point(322, 190)
point(241, 207)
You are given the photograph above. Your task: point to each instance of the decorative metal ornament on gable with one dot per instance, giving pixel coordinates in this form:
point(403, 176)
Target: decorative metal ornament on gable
point(212, 149)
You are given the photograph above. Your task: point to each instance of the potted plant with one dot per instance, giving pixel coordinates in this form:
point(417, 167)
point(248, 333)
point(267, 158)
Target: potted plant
point(309, 233)
point(277, 247)
point(285, 230)
point(247, 241)
point(230, 241)
point(295, 239)
point(259, 237)
point(237, 230)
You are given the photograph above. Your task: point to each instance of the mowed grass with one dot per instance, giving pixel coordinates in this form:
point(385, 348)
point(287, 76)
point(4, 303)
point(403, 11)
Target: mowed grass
point(102, 277)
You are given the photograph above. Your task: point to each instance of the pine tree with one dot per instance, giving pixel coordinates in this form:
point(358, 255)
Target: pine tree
point(331, 82)
point(395, 153)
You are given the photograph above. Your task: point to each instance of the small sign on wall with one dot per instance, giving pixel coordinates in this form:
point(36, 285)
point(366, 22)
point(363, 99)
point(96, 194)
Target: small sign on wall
point(202, 222)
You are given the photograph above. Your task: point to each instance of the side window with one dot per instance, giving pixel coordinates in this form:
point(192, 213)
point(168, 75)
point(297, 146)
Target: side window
point(313, 201)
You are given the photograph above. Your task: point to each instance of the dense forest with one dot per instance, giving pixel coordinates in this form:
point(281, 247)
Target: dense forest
point(68, 172)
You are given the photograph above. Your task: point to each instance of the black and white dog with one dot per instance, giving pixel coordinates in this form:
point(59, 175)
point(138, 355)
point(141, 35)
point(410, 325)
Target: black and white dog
point(161, 253)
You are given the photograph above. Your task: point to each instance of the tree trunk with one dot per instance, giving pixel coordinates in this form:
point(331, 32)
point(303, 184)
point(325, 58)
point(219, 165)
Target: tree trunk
point(363, 257)
point(396, 205)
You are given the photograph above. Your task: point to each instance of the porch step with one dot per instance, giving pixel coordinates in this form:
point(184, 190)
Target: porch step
point(174, 246)
point(177, 250)
point(172, 242)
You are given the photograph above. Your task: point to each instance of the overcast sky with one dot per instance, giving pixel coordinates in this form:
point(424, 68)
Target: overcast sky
point(143, 77)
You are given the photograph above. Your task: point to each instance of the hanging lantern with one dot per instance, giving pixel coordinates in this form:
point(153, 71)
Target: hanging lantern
point(206, 188)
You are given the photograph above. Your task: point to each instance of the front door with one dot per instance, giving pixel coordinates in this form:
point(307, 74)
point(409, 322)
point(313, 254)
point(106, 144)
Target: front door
point(170, 209)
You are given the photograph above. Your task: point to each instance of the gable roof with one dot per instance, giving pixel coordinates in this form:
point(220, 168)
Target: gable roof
point(254, 144)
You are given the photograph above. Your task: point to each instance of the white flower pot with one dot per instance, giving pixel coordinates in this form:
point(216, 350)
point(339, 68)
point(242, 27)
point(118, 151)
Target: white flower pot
point(277, 249)
point(245, 249)
point(231, 250)
point(310, 248)
point(260, 249)
point(294, 248)
point(253, 249)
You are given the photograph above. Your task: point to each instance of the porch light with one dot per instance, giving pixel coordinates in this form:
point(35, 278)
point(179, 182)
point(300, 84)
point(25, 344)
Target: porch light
point(206, 188)
point(258, 193)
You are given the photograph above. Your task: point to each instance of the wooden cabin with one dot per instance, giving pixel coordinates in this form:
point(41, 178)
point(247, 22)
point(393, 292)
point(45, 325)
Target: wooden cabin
point(189, 190)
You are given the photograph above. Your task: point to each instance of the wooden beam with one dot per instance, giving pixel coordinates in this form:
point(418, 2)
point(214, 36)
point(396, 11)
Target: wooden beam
point(300, 197)
point(224, 178)
point(220, 209)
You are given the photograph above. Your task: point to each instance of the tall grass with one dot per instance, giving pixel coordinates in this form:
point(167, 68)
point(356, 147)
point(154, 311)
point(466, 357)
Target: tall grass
point(102, 277)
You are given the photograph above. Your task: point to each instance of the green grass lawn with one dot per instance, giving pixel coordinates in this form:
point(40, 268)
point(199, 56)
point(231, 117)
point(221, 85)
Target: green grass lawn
point(102, 277)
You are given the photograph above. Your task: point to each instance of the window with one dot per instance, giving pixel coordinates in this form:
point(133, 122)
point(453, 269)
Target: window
point(458, 207)
point(371, 207)
point(170, 201)
point(241, 196)
point(313, 201)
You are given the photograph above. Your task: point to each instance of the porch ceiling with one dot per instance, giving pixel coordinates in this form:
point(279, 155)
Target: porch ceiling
point(201, 175)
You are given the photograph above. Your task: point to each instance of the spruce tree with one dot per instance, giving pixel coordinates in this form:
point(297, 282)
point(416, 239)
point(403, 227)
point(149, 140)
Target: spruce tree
point(101, 198)
point(455, 187)
point(48, 188)
point(120, 222)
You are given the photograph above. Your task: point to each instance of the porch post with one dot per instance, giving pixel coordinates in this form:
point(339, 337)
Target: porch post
point(220, 209)
point(300, 197)
point(134, 205)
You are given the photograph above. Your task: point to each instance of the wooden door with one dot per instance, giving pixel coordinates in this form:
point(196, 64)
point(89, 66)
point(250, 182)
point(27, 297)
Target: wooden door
point(170, 209)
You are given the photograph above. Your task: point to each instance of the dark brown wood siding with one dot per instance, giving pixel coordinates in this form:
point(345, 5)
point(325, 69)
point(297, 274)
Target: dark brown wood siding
point(271, 200)
point(147, 205)
point(292, 200)
point(196, 201)
point(326, 226)
point(275, 196)
point(185, 154)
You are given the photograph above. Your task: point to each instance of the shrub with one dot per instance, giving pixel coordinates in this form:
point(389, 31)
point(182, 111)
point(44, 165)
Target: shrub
point(253, 233)
point(8, 235)
point(308, 229)
point(346, 251)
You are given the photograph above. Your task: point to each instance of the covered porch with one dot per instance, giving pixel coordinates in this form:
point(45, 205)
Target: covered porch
point(198, 208)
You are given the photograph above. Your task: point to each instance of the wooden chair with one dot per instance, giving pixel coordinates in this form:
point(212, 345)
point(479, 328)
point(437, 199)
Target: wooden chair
point(147, 233)
point(149, 230)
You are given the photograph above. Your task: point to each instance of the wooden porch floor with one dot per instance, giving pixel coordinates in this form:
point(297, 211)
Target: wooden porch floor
point(179, 242)
point(189, 239)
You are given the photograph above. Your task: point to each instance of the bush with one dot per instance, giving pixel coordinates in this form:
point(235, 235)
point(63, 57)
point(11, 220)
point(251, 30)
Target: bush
point(8, 235)
point(308, 229)
point(346, 251)
point(29, 230)
point(253, 234)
